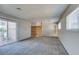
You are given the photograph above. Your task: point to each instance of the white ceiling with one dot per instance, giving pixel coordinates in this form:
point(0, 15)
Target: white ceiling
point(33, 11)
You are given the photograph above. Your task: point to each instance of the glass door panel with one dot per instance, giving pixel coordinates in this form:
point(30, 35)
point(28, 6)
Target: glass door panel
point(3, 30)
point(12, 31)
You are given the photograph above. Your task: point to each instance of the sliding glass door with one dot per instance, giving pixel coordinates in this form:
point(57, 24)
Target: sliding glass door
point(3, 30)
point(12, 31)
point(7, 31)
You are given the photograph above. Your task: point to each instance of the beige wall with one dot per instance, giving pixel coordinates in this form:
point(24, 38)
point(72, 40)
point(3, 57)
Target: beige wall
point(70, 39)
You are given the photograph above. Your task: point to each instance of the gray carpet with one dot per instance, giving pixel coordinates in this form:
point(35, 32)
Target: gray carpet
point(34, 46)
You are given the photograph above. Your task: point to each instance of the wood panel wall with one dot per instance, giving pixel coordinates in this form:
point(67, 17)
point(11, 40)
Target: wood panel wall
point(36, 31)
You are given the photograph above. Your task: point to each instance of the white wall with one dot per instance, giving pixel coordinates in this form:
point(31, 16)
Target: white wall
point(24, 29)
point(70, 39)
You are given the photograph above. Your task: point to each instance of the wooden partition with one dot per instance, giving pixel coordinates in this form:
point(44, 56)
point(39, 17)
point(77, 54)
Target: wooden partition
point(36, 31)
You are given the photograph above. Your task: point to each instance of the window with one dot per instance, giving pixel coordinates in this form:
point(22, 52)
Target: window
point(59, 26)
point(72, 21)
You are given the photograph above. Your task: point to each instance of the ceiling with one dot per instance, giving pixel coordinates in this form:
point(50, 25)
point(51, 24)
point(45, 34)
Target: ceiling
point(33, 11)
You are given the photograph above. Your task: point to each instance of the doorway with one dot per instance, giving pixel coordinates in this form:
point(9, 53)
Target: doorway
point(49, 29)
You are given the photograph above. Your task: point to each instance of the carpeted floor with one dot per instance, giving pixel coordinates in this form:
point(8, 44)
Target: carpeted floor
point(34, 46)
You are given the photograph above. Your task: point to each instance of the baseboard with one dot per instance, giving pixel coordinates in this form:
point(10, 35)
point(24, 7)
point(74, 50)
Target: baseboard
point(8, 43)
point(64, 47)
point(25, 39)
